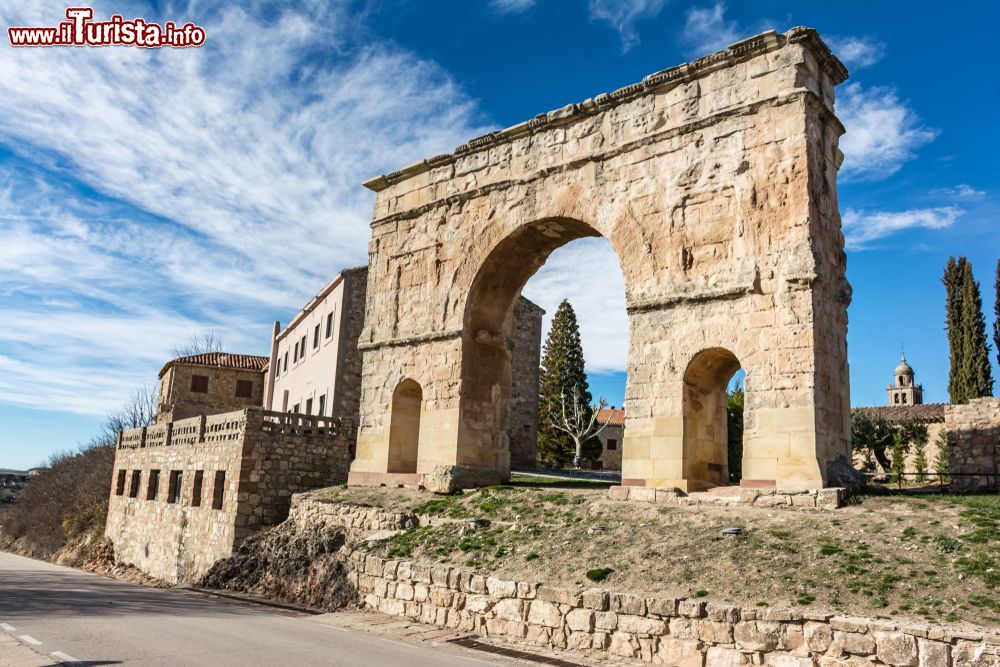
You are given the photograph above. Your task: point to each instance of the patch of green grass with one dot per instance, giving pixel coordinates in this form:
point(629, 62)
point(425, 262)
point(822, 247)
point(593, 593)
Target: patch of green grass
point(762, 603)
point(909, 533)
point(532, 556)
point(946, 545)
point(701, 594)
point(805, 599)
point(599, 574)
point(829, 549)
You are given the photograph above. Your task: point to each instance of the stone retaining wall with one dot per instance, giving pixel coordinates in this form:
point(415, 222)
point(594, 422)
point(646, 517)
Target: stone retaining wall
point(651, 629)
point(791, 498)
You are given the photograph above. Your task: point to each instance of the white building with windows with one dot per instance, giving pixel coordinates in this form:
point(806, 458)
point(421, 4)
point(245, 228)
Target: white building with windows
point(317, 348)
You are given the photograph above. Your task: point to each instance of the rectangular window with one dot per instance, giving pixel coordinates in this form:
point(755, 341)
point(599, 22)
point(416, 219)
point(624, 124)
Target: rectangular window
point(295, 354)
point(154, 485)
point(302, 354)
point(199, 384)
point(244, 388)
point(120, 484)
point(309, 406)
point(295, 408)
point(174, 491)
point(133, 489)
point(329, 325)
point(199, 476)
point(322, 406)
point(316, 337)
point(277, 367)
point(612, 444)
point(286, 361)
point(219, 492)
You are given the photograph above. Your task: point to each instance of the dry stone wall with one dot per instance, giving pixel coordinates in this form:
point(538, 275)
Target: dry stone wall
point(264, 458)
point(974, 443)
point(177, 402)
point(687, 632)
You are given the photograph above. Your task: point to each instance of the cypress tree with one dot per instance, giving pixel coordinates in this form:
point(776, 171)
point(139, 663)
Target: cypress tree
point(562, 369)
point(953, 324)
point(976, 373)
point(996, 313)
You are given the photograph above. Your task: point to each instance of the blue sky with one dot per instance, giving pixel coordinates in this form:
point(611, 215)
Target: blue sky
point(146, 196)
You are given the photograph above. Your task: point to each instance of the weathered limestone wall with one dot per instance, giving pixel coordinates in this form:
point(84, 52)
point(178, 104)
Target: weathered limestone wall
point(265, 457)
point(715, 183)
point(974, 443)
point(177, 401)
point(347, 391)
point(525, 357)
point(659, 630)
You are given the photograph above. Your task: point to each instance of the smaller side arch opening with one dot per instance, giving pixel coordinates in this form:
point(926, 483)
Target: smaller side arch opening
point(706, 444)
point(404, 427)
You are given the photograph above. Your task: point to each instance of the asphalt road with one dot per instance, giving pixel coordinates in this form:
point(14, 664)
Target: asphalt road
point(99, 621)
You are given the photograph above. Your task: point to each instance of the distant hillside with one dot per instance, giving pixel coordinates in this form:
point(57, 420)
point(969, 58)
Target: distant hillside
point(12, 483)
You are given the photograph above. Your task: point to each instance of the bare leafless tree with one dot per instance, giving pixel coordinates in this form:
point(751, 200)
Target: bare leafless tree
point(138, 410)
point(203, 343)
point(578, 422)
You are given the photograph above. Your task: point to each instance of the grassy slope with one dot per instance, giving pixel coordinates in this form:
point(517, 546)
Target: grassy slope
point(932, 558)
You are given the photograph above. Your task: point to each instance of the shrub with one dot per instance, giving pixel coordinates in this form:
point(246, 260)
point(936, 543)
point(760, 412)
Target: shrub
point(599, 574)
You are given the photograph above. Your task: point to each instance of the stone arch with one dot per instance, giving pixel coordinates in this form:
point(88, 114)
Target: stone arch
point(487, 327)
point(715, 183)
point(706, 380)
point(404, 427)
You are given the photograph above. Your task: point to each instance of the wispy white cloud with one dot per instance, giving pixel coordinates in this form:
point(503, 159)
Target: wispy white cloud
point(623, 15)
point(511, 6)
point(706, 30)
point(856, 52)
point(863, 227)
point(155, 194)
point(962, 191)
point(588, 274)
point(882, 132)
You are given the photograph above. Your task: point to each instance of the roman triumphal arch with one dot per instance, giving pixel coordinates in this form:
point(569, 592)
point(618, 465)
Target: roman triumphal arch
point(716, 184)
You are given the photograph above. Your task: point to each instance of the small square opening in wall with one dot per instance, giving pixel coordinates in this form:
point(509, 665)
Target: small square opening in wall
point(133, 489)
point(219, 491)
point(199, 477)
point(244, 388)
point(154, 485)
point(612, 444)
point(120, 483)
point(199, 384)
point(174, 490)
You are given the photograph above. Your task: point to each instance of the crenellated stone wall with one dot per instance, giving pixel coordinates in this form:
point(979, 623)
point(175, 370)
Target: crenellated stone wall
point(974, 443)
point(685, 632)
point(264, 456)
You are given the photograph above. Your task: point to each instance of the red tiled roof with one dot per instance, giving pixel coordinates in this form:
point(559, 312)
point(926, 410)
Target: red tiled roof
point(922, 412)
point(611, 417)
point(243, 362)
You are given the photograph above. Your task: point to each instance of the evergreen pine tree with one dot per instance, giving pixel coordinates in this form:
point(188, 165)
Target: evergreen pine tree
point(953, 324)
point(562, 369)
point(996, 314)
point(898, 465)
point(941, 465)
point(920, 460)
point(976, 373)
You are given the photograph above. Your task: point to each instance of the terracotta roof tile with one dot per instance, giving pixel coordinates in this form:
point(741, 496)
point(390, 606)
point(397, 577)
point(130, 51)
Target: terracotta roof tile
point(611, 417)
point(245, 362)
point(922, 412)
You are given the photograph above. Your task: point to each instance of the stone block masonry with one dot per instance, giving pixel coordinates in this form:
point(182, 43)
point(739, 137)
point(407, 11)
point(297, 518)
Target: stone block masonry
point(619, 625)
point(217, 479)
point(715, 184)
point(974, 444)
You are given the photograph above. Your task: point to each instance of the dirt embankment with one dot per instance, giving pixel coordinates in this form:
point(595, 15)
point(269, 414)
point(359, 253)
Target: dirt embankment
point(289, 564)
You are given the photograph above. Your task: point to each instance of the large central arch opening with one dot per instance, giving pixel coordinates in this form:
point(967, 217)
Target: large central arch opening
point(490, 321)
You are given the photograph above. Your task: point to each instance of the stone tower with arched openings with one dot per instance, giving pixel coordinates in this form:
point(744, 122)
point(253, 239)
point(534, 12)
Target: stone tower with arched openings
point(903, 390)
